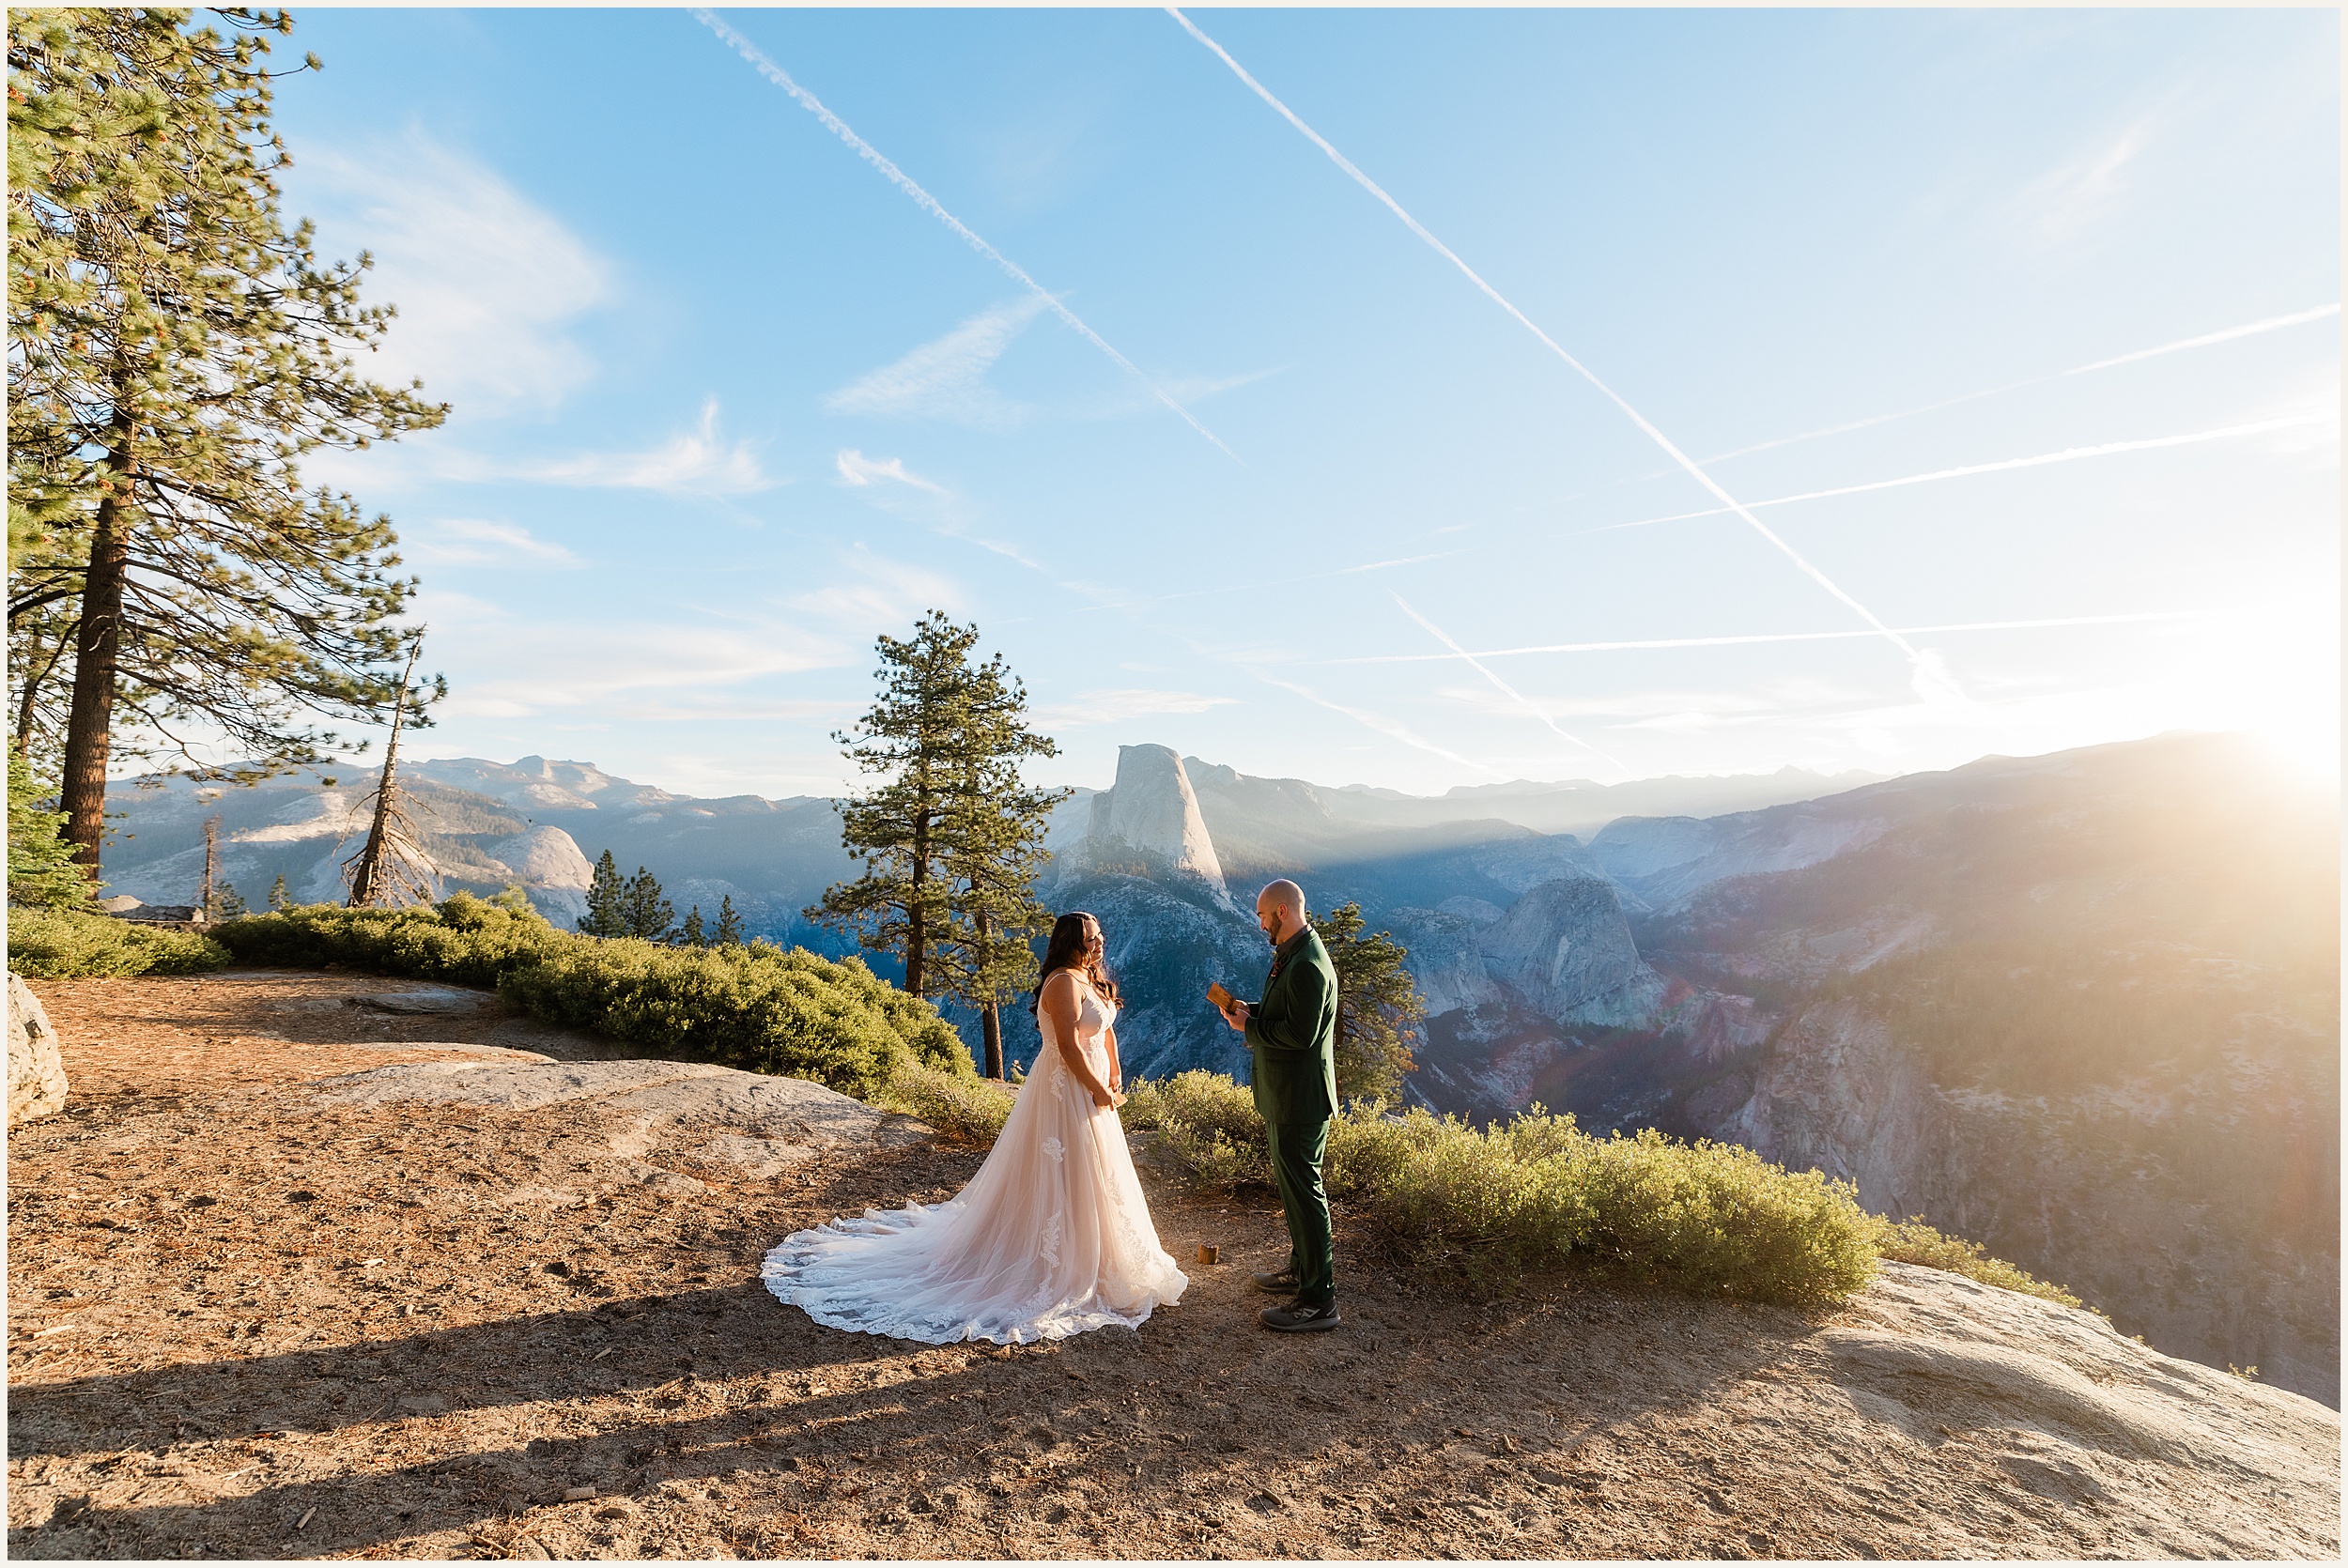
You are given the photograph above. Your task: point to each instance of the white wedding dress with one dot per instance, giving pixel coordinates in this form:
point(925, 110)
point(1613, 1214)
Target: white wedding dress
point(1050, 1239)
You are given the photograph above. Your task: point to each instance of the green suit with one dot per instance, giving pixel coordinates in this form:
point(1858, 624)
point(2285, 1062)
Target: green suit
point(1292, 1035)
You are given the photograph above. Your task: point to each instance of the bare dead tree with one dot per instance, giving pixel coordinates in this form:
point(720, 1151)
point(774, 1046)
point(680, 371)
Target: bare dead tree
point(392, 870)
point(211, 865)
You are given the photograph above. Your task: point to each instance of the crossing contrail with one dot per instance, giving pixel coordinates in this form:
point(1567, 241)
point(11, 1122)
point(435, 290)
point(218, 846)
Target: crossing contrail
point(1784, 636)
point(2272, 323)
point(2068, 455)
point(1511, 692)
point(903, 181)
point(1925, 668)
point(1394, 728)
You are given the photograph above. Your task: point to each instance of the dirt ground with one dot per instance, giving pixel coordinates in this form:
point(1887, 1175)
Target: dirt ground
point(247, 1322)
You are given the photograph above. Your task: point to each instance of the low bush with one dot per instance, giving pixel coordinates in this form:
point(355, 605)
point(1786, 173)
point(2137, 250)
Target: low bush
point(964, 1109)
point(1537, 1194)
point(758, 1007)
point(71, 945)
point(1914, 1241)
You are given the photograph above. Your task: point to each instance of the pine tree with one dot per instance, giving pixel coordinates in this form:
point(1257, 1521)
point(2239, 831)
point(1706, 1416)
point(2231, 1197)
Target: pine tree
point(227, 903)
point(604, 893)
point(693, 934)
point(996, 846)
point(728, 924)
point(278, 896)
point(949, 840)
point(643, 913)
point(1379, 1008)
point(42, 873)
point(174, 352)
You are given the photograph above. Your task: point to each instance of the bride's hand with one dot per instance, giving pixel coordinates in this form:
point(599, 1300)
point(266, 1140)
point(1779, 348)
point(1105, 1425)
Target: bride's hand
point(1107, 1099)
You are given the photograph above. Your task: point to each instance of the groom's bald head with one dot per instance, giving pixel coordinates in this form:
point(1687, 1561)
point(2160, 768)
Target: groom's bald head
point(1280, 909)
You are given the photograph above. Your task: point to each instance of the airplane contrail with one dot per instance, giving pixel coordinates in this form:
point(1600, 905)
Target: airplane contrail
point(864, 149)
point(1511, 692)
point(2068, 455)
point(1784, 636)
point(2272, 323)
point(1925, 669)
point(1394, 728)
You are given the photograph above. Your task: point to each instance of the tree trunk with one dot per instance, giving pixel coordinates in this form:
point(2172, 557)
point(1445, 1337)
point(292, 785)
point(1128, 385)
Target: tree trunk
point(89, 733)
point(917, 927)
point(211, 865)
point(991, 1026)
point(990, 1019)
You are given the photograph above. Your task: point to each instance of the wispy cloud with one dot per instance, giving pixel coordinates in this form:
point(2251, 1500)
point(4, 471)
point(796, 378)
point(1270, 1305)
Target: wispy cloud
point(489, 285)
point(480, 542)
point(1503, 688)
point(875, 594)
point(2068, 455)
point(946, 379)
point(1789, 636)
point(2067, 199)
point(860, 472)
point(1112, 707)
point(699, 462)
point(531, 666)
point(1926, 670)
point(765, 67)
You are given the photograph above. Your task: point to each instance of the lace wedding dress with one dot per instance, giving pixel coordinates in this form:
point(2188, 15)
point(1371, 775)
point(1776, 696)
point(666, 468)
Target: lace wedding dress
point(1050, 1239)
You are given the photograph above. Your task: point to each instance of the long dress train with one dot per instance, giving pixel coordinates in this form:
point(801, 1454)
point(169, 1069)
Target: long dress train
point(1050, 1239)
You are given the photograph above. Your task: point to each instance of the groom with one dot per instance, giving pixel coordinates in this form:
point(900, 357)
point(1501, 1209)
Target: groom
point(1292, 1034)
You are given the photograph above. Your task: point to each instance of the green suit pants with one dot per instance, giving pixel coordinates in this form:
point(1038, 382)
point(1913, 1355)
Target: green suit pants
point(1296, 1153)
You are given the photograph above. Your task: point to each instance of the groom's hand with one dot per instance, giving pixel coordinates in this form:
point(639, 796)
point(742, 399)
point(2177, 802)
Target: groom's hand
point(1236, 1016)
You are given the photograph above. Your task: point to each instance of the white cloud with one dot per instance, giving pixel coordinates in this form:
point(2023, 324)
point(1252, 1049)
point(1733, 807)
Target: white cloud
point(878, 594)
point(946, 379)
point(1109, 707)
point(860, 472)
point(479, 542)
point(487, 283)
point(695, 463)
point(2063, 202)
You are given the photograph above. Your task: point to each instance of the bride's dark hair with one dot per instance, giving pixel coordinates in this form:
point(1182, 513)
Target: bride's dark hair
point(1066, 950)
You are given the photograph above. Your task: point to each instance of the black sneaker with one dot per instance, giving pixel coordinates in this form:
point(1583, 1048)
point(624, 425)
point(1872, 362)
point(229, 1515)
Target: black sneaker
point(1281, 1284)
point(1298, 1318)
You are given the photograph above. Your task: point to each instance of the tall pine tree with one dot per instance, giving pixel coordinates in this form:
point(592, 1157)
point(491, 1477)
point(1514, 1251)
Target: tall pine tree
point(643, 911)
point(606, 892)
point(949, 838)
point(729, 934)
point(174, 351)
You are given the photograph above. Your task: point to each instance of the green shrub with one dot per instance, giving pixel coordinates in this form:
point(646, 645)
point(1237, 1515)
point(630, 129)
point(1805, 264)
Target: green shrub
point(963, 1108)
point(758, 1007)
point(1914, 1241)
point(70, 944)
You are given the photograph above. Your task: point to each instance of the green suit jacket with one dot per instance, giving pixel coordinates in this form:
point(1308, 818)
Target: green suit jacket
point(1292, 1034)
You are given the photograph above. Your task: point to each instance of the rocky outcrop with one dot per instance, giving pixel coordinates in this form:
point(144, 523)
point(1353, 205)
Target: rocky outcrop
point(37, 1085)
point(547, 863)
point(1566, 948)
point(1148, 823)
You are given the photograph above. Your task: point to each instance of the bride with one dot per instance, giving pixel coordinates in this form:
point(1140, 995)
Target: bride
point(1050, 1239)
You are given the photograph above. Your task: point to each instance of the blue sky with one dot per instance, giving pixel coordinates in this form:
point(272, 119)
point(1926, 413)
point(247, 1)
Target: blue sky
point(728, 402)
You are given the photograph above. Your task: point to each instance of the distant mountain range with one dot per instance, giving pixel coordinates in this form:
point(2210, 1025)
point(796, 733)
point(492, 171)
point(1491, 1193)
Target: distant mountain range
point(2083, 1007)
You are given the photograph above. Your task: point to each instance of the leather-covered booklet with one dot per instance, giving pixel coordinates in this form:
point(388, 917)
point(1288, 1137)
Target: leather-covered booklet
point(1220, 998)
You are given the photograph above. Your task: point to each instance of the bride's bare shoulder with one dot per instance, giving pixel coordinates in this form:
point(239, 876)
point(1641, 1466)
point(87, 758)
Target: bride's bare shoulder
point(1060, 985)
